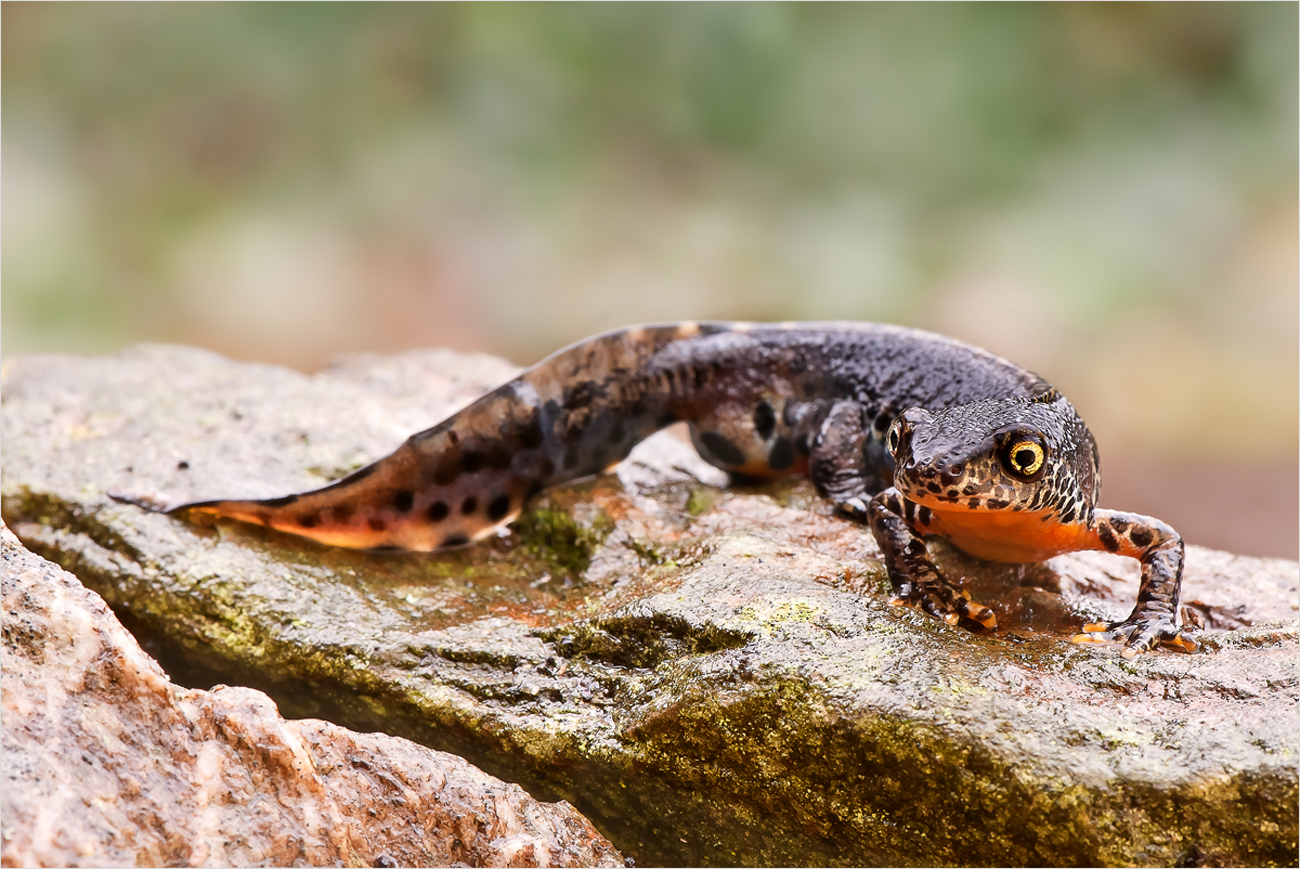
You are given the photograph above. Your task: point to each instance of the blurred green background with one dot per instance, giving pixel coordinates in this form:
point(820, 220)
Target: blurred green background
point(1106, 194)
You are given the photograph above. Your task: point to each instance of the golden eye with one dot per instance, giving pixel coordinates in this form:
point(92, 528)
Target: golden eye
point(1026, 457)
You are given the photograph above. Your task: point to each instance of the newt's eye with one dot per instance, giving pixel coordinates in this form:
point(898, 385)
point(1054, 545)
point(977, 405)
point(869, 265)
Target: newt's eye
point(1026, 458)
point(892, 439)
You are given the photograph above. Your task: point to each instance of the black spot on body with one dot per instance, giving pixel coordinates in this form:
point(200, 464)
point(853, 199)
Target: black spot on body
point(801, 444)
point(403, 500)
point(447, 472)
point(635, 407)
point(387, 547)
point(1108, 539)
point(782, 455)
point(530, 435)
point(934, 487)
point(455, 540)
point(1068, 515)
point(499, 507)
point(469, 505)
point(974, 503)
point(471, 462)
point(952, 493)
point(1120, 525)
point(997, 504)
point(341, 514)
point(453, 438)
point(279, 502)
point(437, 511)
point(722, 449)
point(1141, 536)
point(376, 523)
point(311, 520)
point(182, 466)
point(764, 420)
point(923, 515)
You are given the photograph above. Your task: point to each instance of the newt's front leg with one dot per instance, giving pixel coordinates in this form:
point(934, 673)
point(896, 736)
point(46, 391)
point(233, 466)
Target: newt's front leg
point(916, 579)
point(1156, 620)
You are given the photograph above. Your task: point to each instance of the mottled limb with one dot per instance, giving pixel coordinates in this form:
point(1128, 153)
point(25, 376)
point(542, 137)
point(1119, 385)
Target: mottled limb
point(916, 580)
point(1157, 618)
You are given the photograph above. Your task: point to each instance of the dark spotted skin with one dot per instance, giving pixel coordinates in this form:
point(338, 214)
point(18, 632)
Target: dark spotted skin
point(912, 433)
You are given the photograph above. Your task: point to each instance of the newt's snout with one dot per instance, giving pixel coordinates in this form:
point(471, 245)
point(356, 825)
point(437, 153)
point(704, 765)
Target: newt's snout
point(923, 457)
point(940, 468)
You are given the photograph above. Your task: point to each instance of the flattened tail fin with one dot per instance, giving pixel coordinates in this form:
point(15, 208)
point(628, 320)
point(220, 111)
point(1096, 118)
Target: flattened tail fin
point(152, 503)
point(221, 506)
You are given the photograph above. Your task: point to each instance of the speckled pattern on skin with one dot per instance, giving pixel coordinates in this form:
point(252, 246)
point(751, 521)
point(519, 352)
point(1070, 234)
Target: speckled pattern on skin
point(912, 433)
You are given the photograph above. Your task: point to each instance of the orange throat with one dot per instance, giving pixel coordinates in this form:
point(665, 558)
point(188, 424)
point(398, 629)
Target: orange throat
point(1004, 535)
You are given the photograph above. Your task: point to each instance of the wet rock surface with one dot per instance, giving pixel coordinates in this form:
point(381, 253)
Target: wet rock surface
point(107, 762)
point(712, 676)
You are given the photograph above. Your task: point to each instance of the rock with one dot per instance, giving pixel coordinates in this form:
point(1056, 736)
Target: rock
point(713, 677)
point(107, 763)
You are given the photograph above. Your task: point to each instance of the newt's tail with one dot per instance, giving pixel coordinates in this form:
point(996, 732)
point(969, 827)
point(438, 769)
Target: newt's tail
point(572, 415)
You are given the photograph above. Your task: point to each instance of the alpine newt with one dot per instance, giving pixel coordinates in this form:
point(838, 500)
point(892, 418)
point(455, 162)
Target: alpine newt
point(913, 434)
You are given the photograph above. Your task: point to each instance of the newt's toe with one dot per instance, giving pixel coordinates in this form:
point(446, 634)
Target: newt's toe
point(1181, 643)
point(984, 616)
point(854, 507)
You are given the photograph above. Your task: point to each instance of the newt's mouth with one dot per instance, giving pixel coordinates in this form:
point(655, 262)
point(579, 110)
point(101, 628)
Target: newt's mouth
point(936, 490)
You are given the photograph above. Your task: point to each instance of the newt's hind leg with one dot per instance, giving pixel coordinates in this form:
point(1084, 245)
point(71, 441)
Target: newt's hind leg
point(1157, 618)
point(916, 579)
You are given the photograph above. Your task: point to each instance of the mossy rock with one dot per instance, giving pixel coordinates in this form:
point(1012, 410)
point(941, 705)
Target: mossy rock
point(713, 677)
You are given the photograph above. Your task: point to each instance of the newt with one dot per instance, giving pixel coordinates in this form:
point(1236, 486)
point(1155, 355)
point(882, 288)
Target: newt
point(910, 433)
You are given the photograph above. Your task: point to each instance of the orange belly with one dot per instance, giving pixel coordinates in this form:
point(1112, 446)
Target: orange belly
point(1003, 535)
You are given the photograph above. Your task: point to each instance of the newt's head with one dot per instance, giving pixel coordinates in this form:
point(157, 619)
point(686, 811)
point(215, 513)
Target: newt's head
point(1013, 455)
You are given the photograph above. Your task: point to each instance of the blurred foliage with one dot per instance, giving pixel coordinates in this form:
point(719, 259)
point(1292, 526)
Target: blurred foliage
point(1104, 192)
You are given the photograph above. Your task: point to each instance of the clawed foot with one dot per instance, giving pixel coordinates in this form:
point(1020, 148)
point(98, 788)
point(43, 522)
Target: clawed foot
point(1138, 635)
point(948, 604)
